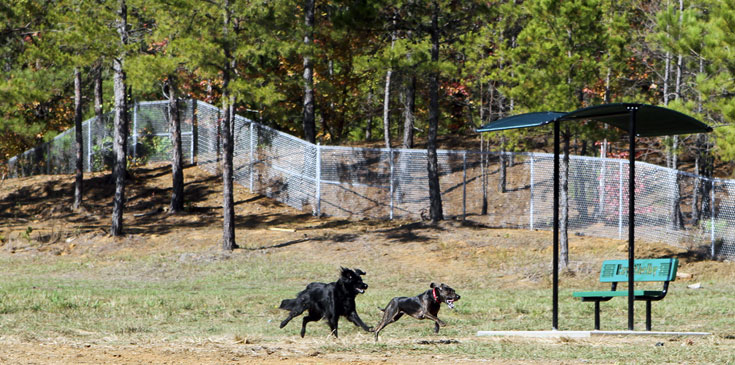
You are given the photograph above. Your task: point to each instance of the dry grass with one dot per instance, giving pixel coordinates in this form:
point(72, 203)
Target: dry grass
point(165, 293)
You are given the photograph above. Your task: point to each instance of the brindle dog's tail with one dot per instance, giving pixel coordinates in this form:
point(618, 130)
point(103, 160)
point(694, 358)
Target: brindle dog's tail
point(382, 309)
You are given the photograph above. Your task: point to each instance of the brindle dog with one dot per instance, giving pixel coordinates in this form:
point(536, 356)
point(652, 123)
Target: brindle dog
point(424, 305)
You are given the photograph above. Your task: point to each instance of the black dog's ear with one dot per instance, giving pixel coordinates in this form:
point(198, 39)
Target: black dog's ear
point(432, 285)
point(359, 272)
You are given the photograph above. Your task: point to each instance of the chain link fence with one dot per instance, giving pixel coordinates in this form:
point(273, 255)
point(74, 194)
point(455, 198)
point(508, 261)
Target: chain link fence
point(148, 141)
point(393, 183)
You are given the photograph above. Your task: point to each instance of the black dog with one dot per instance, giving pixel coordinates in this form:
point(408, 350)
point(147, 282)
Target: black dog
point(328, 301)
point(424, 305)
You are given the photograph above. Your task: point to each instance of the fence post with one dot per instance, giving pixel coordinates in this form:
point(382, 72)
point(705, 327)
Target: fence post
point(135, 130)
point(464, 184)
point(194, 127)
point(712, 217)
point(318, 174)
point(603, 176)
point(252, 154)
point(620, 200)
point(531, 202)
point(392, 172)
point(90, 123)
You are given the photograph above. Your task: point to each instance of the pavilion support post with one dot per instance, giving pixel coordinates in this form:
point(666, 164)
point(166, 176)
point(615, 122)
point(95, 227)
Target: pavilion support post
point(555, 260)
point(631, 216)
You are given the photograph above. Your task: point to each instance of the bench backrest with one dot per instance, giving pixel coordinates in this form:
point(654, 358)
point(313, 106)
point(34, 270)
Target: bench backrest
point(645, 270)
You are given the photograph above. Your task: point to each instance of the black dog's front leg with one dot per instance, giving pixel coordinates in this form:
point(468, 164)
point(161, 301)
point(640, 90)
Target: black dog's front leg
point(354, 318)
point(333, 323)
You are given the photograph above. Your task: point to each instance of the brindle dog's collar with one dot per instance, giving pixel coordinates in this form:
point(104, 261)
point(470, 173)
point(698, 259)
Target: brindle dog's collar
point(433, 292)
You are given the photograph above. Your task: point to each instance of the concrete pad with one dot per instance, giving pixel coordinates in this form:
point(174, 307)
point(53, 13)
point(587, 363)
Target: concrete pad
point(536, 334)
point(647, 333)
point(584, 334)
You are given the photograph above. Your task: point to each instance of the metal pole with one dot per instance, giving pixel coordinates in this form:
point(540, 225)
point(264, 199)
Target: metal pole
point(89, 146)
point(555, 261)
point(620, 200)
point(318, 174)
point(392, 172)
point(135, 130)
point(712, 216)
point(631, 217)
point(194, 125)
point(252, 154)
point(464, 185)
point(603, 173)
point(531, 208)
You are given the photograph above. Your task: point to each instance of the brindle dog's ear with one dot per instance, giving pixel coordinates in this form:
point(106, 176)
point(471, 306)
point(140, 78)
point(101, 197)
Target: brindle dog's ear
point(359, 272)
point(432, 285)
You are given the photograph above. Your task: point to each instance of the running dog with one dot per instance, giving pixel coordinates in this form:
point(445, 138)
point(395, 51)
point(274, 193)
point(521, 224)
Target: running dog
point(424, 305)
point(328, 301)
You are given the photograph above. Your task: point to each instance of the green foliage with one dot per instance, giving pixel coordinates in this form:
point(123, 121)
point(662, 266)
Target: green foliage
point(496, 58)
point(103, 156)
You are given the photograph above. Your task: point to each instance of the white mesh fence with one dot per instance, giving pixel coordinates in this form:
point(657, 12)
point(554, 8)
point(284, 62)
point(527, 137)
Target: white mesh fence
point(388, 184)
point(148, 141)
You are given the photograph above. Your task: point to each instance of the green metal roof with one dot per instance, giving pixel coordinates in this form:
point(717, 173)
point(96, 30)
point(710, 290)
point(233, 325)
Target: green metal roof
point(650, 120)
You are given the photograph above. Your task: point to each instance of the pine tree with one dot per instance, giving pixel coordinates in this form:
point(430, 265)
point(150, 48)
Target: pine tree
point(120, 145)
point(556, 61)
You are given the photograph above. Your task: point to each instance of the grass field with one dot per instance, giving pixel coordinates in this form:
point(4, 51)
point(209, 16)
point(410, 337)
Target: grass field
point(169, 295)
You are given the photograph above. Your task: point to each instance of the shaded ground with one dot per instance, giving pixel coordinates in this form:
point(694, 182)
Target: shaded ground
point(36, 220)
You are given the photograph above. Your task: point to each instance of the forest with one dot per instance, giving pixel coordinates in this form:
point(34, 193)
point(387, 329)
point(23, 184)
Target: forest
point(398, 74)
point(343, 71)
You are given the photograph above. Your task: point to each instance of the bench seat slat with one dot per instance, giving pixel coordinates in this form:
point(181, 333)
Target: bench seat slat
point(617, 293)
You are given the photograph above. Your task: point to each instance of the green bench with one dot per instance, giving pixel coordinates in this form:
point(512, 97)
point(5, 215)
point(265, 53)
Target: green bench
point(646, 270)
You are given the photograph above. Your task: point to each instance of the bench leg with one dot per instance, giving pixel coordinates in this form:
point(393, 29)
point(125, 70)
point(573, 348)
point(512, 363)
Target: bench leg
point(648, 315)
point(597, 315)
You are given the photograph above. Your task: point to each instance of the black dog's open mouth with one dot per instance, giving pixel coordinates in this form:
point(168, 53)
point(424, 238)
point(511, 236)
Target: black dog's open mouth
point(450, 303)
point(361, 291)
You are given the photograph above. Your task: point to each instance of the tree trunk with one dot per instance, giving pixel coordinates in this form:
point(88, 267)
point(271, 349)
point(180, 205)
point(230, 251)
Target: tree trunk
point(308, 112)
point(120, 146)
point(386, 109)
point(564, 201)
point(409, 108)
point(677, 219)
point(177, 166)
point(228, 205)
point(369, 126)
point(503, 164)
point(386, 94)
point(435, 210)
point(121, 124)
point(98, 111)
point(79, 145)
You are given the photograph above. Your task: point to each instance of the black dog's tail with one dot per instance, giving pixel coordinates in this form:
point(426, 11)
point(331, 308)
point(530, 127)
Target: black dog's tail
point(288, 304)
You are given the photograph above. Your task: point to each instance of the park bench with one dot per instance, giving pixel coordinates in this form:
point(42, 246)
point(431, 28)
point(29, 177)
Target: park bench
point(646, 270)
